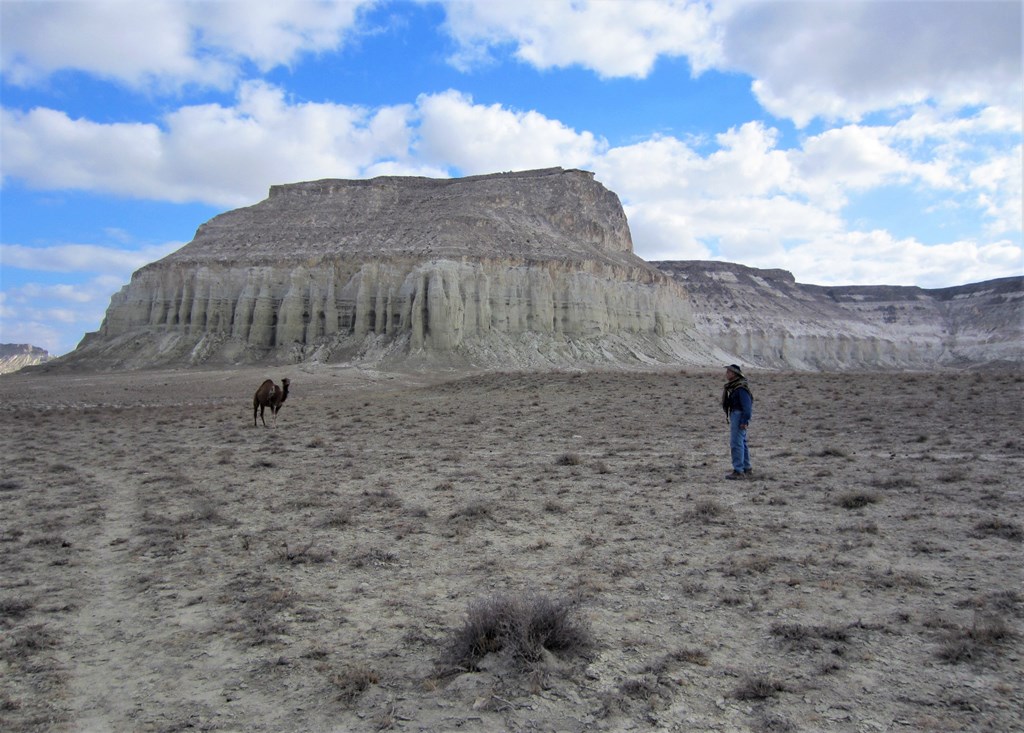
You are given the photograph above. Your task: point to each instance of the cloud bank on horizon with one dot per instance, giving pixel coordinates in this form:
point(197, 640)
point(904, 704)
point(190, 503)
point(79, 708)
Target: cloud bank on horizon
point(850, 142)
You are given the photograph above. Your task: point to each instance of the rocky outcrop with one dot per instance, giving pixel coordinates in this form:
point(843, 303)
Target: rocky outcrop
point(513, 270)
point(18, 356)
point(526, 268)
point(765, 318)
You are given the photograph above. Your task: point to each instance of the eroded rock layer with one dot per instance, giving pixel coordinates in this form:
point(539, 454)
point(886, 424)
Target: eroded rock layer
point(456, 270)
point(766, 318)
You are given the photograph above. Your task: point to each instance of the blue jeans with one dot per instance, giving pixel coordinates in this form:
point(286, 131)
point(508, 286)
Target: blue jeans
point(738, 444)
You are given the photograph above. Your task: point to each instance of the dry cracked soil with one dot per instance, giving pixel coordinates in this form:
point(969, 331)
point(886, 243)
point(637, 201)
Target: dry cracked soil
point(550, 551)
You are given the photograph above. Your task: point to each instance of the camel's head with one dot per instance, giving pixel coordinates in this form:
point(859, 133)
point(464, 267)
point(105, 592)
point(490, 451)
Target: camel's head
point(285, 383)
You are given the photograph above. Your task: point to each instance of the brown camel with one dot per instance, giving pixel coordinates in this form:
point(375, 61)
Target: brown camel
point(269, 395)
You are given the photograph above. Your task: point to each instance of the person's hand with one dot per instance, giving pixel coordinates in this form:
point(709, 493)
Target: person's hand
point(743, 426)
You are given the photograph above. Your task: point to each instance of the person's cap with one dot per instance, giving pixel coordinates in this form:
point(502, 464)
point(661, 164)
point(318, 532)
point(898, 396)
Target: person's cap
point(735, 369)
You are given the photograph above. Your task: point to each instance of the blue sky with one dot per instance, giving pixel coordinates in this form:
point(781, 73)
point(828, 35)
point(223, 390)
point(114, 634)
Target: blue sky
point(848, 142)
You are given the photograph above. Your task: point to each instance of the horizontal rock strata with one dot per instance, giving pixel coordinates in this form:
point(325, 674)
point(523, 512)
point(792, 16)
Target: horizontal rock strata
point(766, 318)
point(18, 356)
point(453, 269)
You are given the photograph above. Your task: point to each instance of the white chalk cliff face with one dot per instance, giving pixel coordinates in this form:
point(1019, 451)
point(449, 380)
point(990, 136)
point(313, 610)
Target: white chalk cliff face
point(517, 269)
point(765, 318)
point(512, 270)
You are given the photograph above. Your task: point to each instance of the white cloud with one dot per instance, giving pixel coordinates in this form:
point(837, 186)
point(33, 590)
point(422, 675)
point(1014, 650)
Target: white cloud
point(842, 60)
point(614, 39)
point(83, 257)
point(746, 199)
point(453, 131)
point(222, 155)
point(48, 149)
point(54, 316)
point(166, 43)
point(1000, 193)
point(837, 60)
point(876, 257)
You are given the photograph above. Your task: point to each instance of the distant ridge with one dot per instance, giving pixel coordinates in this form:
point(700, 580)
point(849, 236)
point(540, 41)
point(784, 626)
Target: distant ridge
point(766, 318)
point(17, 356)
point(529, 269)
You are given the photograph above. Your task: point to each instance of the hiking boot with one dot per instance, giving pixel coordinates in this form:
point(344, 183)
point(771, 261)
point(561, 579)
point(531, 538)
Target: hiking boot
point(734, 475)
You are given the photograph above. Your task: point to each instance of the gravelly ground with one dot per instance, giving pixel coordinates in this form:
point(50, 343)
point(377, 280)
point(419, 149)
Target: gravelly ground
point(167, 566)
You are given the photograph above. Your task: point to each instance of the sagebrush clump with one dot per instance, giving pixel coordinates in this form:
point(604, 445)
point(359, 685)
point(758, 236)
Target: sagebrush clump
point(520, 628)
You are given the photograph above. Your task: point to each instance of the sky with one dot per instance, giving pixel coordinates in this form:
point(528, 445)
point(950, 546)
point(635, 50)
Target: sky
point(861, 142)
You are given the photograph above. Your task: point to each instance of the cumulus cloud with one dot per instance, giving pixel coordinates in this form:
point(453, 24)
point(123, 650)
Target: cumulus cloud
point(843, 60)
point(999, 191)
point(474, 138)
point(614, 39)
point(808, 59)
point(744, 198)
point(55, 315)
point(166, 43)
point(213, 153)
point(876, 257)
point(83, 257)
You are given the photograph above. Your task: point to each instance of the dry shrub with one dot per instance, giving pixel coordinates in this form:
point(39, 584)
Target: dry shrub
point(336, 519)
point(522, 628)
point(705, 510)
point(807, 637)
point(353, 681)
point(856, 499)
point(664, 664)
point(382, 498)
point(474, 510)
point(569, 459)
point(1009, 601)
point(14, 609)
point(374, 557)
point(830, 453)
point(999, 528)
point(305, 554)
point(772, 723)
point(758, 688)
point(968, 644)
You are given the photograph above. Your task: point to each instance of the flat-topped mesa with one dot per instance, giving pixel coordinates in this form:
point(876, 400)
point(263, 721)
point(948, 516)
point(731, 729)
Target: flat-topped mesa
point(550, 214)
point(529, 268)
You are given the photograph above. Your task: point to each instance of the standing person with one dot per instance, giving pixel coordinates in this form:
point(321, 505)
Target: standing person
point(738, 403)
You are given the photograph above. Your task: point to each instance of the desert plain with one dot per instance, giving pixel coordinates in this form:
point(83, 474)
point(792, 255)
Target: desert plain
point(522, 551)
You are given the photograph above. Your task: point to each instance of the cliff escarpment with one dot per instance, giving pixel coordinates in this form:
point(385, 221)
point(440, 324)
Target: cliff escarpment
point(766, 318)
point(530, 269)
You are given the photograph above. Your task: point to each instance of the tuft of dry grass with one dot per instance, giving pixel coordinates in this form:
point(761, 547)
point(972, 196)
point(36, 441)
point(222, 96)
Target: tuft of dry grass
point(969, 644)
point(352, 681)
point(758, 687)
point(996, 527)
point(705, 510)
point(856, 499)
point(569, 459)
point(522, 628)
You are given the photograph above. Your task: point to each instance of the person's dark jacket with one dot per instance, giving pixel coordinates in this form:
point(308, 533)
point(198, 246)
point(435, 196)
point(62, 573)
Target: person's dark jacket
point(740, 400)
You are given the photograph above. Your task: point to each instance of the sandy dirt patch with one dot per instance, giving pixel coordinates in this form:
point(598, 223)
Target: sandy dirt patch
point(166, 566)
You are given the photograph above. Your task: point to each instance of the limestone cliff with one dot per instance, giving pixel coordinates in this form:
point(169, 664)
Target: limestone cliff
point(18, 356)
point(526, 268)
point(765, 318)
